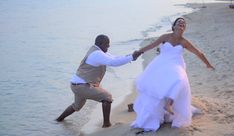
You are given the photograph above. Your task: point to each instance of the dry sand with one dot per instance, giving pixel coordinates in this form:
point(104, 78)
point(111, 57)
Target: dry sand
point(211, 29)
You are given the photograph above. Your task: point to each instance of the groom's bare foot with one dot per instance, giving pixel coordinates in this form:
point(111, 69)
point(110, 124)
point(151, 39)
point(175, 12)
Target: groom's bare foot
point(106, 125)
point(169, 109)
point(59, 120)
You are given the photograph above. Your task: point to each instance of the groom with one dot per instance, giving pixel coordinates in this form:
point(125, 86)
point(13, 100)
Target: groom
point(85, 83)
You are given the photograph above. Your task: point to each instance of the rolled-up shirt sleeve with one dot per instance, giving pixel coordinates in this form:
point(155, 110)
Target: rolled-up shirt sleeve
point(98, 58)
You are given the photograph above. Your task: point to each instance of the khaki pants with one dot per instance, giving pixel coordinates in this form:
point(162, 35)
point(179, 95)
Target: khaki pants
point(86, 91)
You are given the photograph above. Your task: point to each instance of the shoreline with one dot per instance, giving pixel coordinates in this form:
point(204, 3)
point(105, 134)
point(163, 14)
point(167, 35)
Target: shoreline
point(204, 31)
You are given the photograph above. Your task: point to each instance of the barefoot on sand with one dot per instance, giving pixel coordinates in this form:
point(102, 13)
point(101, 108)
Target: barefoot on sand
point(169, 109)
point(106, 125)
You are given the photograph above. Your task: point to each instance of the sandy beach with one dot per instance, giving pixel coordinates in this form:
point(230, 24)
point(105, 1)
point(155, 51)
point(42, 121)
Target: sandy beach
point(211, 30)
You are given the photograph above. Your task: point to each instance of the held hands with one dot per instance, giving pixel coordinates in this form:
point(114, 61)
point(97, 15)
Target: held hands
point(136, 54)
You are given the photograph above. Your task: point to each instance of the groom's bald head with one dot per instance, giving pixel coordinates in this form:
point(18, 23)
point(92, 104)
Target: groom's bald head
point(102, 41)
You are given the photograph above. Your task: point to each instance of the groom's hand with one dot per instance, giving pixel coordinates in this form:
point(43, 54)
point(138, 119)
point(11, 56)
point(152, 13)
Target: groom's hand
point(136, 54)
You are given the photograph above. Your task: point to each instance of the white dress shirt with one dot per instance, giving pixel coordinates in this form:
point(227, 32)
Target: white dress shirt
point(98, 58)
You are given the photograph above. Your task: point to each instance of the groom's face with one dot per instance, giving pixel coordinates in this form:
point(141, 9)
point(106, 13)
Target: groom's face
point(105, 45)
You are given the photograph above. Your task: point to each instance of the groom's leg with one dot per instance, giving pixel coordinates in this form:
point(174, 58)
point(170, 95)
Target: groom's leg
point(106, 108)
point(101, 95)
point(66, 113)
point(76, 106)
point(80, 100)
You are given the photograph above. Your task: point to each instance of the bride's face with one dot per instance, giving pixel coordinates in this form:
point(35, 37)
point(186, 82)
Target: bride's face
point(180, 25)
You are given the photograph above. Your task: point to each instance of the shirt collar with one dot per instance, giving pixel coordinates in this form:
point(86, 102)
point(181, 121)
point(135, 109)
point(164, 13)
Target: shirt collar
point(97, 47)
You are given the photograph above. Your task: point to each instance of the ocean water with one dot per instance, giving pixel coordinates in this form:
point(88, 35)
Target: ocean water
point(42, 43)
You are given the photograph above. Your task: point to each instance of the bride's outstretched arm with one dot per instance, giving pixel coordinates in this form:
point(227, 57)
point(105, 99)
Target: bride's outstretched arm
point(153, 45)
point(198, 53)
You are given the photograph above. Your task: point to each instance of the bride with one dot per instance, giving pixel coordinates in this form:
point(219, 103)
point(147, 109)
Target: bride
point(163, 87)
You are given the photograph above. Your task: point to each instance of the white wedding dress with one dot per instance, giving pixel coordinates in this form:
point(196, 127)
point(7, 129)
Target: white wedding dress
point(164, 77)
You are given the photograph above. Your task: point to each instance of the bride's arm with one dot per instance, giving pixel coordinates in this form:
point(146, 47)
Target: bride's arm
point(198, 53)
point(154, 44)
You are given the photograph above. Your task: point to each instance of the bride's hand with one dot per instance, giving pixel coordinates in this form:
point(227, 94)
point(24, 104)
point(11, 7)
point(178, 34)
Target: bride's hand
point(211, 67)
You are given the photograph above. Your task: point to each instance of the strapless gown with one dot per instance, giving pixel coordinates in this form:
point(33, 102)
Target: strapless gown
point(165, 76)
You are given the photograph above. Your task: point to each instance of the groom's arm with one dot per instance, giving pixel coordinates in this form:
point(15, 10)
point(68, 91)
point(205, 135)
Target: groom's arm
point(98, 58)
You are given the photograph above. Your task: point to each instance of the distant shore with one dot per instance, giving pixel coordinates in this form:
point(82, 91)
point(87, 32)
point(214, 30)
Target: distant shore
point(211, 30)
